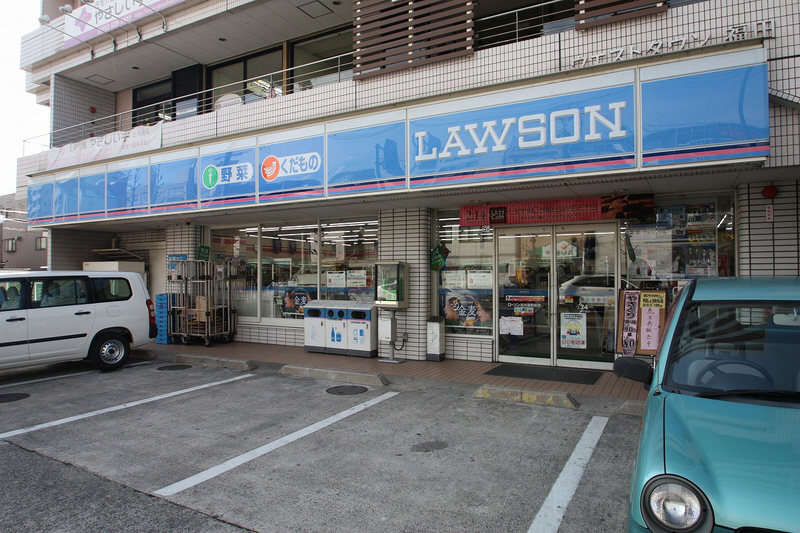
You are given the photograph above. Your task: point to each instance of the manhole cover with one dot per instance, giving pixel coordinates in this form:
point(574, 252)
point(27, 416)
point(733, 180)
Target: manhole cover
point(13, 397)
point(174, 367)
point(343, 390)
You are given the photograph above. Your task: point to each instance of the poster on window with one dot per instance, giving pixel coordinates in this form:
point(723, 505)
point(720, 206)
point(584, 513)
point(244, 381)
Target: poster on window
point(336, 279)
point(454, 279)
point(479, 279)
point(573, 330)
point(356, 278)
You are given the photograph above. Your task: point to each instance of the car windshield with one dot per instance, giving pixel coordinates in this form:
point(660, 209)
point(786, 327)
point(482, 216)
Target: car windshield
point(745, 348)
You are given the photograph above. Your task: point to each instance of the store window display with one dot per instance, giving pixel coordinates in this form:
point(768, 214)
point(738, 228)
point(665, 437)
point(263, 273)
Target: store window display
point(464, 292)
point(691, 238)
point(299, 263)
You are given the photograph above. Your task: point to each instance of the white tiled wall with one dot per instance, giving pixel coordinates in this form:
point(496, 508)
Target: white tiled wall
point(768, 247)
point(71, 103)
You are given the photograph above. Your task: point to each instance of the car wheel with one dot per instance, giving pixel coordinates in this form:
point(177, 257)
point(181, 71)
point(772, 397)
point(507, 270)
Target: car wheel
point(109, 351)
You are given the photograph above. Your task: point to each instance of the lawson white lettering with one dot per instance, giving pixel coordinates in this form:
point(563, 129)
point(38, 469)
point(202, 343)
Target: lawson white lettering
point(532, 129)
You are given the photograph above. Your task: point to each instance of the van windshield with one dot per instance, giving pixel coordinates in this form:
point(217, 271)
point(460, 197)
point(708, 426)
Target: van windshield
point(724, 347)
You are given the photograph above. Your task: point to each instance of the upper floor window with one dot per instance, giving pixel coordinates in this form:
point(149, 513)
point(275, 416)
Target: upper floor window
point(9, 245)
point(148, 103)
point(40, 244)
point(224, 77)
point(322, 59)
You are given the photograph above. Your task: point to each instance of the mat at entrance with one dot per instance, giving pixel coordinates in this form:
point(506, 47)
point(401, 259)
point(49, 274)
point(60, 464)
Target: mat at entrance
point(546, 373)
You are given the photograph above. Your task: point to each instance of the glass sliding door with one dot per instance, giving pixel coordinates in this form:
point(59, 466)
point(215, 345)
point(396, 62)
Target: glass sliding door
point(586, 266)
point(523, 293)
point(556, 294)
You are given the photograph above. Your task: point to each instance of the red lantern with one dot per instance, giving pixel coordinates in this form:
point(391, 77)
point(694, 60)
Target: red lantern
point(770, 192)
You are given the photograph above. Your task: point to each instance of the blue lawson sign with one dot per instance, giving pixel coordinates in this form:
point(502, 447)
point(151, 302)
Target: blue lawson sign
point(700, 110)
point(593, 130)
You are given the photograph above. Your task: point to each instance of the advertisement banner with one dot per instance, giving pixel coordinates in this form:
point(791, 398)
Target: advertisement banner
point(114, 145)
point(87, 22)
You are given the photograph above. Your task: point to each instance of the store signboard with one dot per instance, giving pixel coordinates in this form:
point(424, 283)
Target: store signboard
point(577, 132)
point(291, 170)
point(103, 16)
point(540, 132)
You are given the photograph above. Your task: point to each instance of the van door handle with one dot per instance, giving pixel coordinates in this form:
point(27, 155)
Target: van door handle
point(83, 313)
point(15, 319)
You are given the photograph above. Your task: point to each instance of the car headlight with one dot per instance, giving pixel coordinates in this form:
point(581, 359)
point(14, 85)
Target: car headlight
point(672, 504)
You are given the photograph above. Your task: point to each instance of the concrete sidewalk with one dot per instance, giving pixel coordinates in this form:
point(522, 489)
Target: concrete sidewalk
point(244, 355)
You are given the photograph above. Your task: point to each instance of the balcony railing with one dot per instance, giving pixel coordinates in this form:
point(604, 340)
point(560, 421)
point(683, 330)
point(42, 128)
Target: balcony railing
point(497, 30)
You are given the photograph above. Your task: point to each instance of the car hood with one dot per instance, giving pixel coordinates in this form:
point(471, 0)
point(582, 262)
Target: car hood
point(744, 457)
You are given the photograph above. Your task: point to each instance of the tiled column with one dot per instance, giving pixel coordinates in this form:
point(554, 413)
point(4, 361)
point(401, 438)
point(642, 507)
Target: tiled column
point(405, 235)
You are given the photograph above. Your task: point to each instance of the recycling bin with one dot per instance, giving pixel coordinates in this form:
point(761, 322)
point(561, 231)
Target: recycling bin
point(435, 338)
point(362, 329)
point(314, 321)
point(336, 326)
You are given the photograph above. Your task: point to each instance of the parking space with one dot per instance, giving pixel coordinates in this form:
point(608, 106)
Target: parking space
point(269, 452)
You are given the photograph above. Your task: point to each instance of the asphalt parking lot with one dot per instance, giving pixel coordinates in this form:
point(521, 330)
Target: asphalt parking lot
point(196, 448)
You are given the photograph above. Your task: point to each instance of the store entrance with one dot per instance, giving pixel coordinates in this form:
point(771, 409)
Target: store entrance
point(557, 288)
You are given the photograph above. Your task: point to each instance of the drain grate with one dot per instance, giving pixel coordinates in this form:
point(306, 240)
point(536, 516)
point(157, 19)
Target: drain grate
point(174, 367)
point(344, 390)
point(13, 397)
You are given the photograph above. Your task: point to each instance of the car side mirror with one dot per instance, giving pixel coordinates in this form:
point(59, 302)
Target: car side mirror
point(635, 369)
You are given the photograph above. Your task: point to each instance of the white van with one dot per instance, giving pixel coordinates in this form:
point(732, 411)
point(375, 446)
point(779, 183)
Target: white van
point(47, 317)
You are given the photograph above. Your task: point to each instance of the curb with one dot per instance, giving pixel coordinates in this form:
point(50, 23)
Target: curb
point(325, 374)
point(551, 398)
point(202, 360)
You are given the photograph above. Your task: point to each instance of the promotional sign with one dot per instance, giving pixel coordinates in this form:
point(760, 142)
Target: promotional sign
point(573, 330)
point(228, 178)
point(638, 206)
point(641, 318)
point(113, 145)
point(292, 169)
point(593, 130)
point(367, 159)
point(87, 22)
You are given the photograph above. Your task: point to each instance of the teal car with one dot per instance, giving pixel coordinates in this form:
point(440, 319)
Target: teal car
point(719, 449)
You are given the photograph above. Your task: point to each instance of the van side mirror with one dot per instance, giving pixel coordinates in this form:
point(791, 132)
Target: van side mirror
point(635, 369)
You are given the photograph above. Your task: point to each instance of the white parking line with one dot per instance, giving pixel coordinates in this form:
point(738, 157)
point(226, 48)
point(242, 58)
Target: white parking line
point(230, 464)
point(555, 505)
point(21, 383)
point(117, 408)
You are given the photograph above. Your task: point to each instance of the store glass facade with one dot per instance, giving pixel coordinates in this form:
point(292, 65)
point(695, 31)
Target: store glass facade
point(299, 262)
point(549, 293)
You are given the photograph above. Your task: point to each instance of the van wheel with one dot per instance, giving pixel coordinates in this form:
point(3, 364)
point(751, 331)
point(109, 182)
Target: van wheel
point(109, 351)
